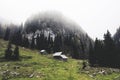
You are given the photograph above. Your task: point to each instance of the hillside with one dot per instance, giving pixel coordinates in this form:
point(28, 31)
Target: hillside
point(61, 34)
point(52, 32)
point(34, 66)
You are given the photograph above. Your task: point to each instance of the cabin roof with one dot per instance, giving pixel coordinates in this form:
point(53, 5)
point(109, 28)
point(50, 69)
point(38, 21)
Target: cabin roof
point(63, 56)
point(42, 51)
point(57, 53)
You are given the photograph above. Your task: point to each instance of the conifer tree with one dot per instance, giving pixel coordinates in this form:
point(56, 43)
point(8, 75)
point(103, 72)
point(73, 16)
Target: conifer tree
point(16, 53)
point(17, 37)
point(49, 44)
point(91, 55)
point(8, 52)
point(7, 34)
point(58, 43)
point(109, 49)
point(32, 46)
point(38, 42)
point(1, 31)
point(25, 42)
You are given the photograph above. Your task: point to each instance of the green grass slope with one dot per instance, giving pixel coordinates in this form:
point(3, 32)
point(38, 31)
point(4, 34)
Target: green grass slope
point(34, 66)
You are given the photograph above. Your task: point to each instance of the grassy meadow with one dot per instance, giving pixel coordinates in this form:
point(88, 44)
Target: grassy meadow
point(34, 66)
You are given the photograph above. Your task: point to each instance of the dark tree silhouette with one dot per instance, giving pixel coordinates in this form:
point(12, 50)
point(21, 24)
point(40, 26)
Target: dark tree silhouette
point(38, 42)
point(1, 31)
point(7, 34)
point(50, 44)
point(25, 42)
point(16, 38)
point(32, 45)
point(109, 49)
point(91, 55)
point(116, 38)
point(16, 53)
point(105, 52)
point(76, 47)
point(57, 43)
point(8, 52)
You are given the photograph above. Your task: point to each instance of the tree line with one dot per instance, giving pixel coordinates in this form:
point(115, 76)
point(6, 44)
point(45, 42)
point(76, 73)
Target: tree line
point(10, 54)
point(70, 44)
point(105, 52)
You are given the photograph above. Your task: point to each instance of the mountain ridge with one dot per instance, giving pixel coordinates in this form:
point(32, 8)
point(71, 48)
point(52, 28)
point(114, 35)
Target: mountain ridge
point(61, 28)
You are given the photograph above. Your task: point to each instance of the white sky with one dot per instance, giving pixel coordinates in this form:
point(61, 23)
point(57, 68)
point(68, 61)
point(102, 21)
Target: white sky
point(94, 16)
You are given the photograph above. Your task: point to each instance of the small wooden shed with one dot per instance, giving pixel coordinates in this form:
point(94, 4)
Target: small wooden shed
point(43, 52)
point(60, 56)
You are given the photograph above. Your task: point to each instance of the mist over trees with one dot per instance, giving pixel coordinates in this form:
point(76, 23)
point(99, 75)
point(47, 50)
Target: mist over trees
point(52, 32)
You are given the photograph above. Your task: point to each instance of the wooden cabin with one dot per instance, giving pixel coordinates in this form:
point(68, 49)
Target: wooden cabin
point(60, 56)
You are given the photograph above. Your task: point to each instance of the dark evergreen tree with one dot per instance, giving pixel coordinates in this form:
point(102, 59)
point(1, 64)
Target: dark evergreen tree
point(50, 44)
point(98, 52)
point(8, 52)
point(109, 49)
point(45, 43)
point(32, 45)
point(105, 53)
point(16, 38)
point(1, 31)
point(42, 41)
point(38, 42)
point(57, 43)
point(116, 37)
point(82, 50)
point(7, 34)
point(76, 53)
point(91, 55)
point(16, 53)
point(25, 42)
point(68, 48)
point(76, 48)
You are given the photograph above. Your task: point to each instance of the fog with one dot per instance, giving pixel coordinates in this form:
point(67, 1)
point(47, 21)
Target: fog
point(94, 16)
point(54, 18)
